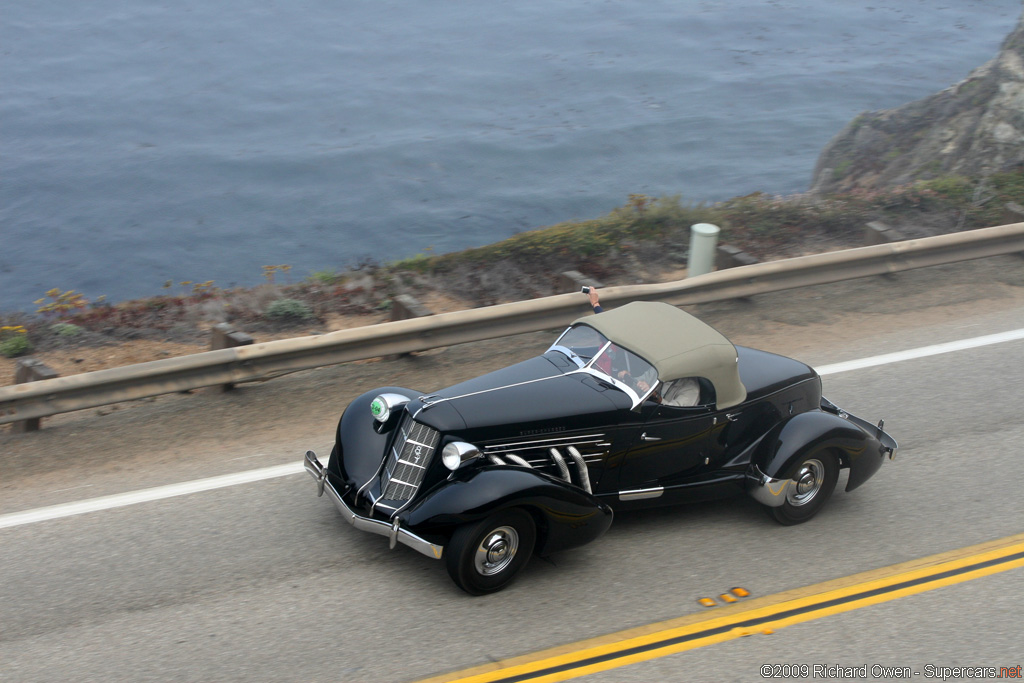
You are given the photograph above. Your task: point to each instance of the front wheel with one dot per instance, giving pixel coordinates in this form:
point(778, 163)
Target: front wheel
point(485, 556)
point(812, 485)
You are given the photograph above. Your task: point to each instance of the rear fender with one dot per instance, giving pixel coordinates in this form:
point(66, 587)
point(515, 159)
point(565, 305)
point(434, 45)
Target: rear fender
point(788, 443)
point(566, 516)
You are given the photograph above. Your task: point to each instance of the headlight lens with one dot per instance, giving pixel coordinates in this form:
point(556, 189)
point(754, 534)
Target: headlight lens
point(458, 452)
point(382, 406)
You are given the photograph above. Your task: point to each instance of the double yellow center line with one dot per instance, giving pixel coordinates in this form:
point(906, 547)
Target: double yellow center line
point(760, 615)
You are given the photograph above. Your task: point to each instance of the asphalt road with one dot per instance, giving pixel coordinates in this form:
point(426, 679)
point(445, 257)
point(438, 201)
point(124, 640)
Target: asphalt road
point(264, 581)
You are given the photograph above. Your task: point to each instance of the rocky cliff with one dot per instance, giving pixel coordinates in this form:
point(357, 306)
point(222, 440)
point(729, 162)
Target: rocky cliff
point(974, 128)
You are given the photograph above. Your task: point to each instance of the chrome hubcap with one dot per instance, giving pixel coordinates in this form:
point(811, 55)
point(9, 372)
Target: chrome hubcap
point(807, 483)
point(496, 551)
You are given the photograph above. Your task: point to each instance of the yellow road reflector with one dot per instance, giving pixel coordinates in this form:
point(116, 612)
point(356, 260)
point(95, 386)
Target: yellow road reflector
point(740, 592)
point(726, 597)
point(707, 602)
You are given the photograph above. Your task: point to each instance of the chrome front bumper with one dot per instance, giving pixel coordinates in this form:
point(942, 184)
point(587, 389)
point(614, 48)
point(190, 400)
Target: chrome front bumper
point(393, 531)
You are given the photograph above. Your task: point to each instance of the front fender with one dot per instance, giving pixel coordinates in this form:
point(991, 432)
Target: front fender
point(359, 447)
point(786, 445)
point(566, 516)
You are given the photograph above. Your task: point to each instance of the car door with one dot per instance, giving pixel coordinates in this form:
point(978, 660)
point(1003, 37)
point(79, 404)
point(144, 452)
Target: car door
point(672, 447)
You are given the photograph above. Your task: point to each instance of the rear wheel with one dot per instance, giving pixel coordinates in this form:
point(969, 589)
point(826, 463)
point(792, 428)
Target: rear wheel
point(812, 485)
point(485, 556)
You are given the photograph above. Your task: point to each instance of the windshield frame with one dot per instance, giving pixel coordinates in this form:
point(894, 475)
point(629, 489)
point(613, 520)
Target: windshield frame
point(588, 365)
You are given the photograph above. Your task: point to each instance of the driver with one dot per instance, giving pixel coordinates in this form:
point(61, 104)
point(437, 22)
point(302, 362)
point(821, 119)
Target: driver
point(641, 384)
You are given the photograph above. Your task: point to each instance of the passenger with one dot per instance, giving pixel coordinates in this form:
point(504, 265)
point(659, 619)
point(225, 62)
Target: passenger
point(592, 295)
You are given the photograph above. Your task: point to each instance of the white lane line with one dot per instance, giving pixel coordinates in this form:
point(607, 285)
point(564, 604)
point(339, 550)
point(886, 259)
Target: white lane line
point(922, 352)
point(185, 488)
point(146, 495)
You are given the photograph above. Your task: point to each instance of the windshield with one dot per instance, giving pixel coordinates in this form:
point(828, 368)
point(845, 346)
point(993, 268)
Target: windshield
point(627, 367)
point(591, 350)
point(580, 344)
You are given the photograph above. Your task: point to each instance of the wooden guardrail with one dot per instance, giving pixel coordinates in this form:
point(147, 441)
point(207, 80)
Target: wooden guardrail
point(269, 359)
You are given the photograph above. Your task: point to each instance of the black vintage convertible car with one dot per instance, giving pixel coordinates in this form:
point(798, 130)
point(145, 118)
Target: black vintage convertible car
point(640, 406)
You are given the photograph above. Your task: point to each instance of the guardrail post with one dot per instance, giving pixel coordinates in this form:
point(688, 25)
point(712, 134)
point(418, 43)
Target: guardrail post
point(729, 256)
point(404, 307)
point(1015, 214)
point(574, 280)
point(223, 336)
point(703, 238)
point(31, 370)
point(877, 232)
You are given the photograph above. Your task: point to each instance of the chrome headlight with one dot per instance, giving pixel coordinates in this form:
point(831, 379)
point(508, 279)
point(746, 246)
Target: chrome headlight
point(384, 405)
point(458, 452)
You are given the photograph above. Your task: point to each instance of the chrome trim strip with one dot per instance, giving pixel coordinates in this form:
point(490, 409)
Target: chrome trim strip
point(403, 536)
point(540, 462)
point(576, 440)
point(487, 391)
point(642, 494)
point(375, 477)
point(410, 464)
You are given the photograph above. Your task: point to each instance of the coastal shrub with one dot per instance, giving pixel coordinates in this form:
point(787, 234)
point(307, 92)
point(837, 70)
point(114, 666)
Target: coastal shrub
point(990, 196)
point(420, 263)
point(68, 330)
point(642, 218)
point(270, 272)
point(61, 302)
point(288, 309)
point(974, 202)
point(14, 341)
point(325, 277)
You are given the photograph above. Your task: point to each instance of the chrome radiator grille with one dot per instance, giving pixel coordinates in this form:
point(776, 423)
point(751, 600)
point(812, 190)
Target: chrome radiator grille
point(408, 460)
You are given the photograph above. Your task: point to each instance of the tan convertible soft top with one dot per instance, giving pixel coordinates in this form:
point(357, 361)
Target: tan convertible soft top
point(675, 343)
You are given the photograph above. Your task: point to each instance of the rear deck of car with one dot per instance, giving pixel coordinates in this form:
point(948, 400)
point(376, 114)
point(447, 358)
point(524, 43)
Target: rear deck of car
point(764, 373)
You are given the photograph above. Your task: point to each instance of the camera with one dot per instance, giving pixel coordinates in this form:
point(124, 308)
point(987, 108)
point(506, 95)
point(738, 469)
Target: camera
point(585, 289)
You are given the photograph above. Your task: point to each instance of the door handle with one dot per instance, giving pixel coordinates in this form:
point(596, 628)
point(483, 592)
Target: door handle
point(732, 417)
point(644, 437)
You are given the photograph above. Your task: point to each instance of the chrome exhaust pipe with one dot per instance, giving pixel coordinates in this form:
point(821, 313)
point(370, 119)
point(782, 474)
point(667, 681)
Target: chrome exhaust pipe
point(581, 467)
point(560, 461)
point(518, 461)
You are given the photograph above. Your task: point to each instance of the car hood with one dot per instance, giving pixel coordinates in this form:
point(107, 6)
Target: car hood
point(542, 394)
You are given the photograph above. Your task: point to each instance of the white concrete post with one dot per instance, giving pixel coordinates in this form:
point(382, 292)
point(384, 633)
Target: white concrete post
point(703, 239)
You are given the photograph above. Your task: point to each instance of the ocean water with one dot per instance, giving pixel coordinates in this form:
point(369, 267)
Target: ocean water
point(153, 141)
